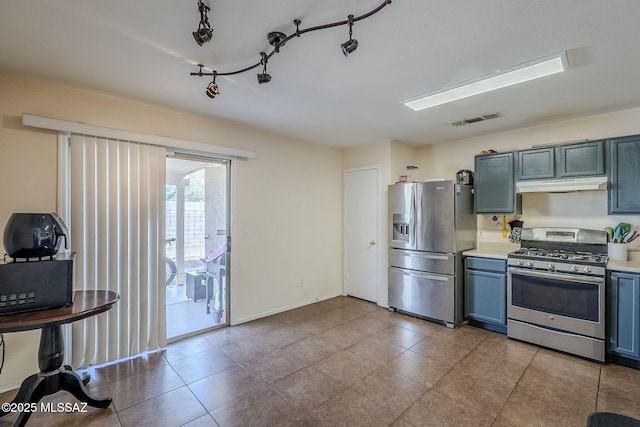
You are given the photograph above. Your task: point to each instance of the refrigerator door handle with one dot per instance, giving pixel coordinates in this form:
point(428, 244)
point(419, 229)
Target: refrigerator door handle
point(417, 223)
point(412, 218)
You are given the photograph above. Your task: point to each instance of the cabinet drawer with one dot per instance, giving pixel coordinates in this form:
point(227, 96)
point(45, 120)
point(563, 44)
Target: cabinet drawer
point(487, 264)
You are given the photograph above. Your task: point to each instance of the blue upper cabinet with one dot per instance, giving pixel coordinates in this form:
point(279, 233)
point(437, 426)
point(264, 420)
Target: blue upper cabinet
point(583, 159)
point(562, 161)
point(494, 185)
point(537, 163)
point(624, 175)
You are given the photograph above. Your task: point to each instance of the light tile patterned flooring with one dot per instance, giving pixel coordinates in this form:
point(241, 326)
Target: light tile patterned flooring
point(345, 362)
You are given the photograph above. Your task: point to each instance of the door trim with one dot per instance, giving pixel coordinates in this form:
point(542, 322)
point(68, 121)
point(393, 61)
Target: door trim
point(376, 168)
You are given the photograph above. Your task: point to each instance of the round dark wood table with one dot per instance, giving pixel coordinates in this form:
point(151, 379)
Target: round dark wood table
point(53, 376)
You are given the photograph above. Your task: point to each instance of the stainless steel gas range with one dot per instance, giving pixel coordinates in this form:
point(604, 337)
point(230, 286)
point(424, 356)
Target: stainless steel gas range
point(556, 290)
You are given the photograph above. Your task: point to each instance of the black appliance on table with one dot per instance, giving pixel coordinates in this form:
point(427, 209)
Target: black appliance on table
point(556, 290)
point(33, 276)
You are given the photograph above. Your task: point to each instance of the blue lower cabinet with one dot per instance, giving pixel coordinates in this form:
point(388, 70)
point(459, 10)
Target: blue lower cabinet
point(486, 293)
point(624, 315)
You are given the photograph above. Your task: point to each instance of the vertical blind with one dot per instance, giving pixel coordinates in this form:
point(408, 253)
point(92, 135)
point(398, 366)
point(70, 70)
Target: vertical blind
point(117, 209)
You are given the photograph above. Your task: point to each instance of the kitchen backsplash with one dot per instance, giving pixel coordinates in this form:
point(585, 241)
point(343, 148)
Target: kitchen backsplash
point(582, 209)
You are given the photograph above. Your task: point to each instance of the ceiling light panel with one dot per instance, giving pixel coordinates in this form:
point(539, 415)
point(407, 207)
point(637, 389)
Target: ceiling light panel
point(504, 78)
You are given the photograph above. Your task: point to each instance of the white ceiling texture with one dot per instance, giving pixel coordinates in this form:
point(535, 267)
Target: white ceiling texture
point(144, 50)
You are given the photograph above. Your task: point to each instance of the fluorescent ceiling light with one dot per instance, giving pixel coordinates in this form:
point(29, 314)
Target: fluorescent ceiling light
point(511, 76)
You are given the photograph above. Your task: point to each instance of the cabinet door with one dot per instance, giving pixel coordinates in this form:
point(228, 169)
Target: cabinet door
point(624, 175)
point(583, 159)
point(624, 315)
point(537, 163)
point(486, 296)
point(494, 187)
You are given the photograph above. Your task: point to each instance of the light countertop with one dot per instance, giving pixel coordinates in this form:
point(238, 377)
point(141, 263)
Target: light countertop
point(493, 250)
point(631, 266)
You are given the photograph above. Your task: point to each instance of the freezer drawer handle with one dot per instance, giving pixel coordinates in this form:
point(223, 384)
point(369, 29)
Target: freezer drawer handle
point(421, 275)
point(436, 257)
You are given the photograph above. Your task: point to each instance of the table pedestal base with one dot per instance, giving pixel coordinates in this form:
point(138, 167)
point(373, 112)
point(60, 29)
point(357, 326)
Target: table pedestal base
point(53, 377)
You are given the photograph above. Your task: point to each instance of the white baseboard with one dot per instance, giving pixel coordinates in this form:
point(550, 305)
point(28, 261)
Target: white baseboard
point(8, 387)
point(282, 309)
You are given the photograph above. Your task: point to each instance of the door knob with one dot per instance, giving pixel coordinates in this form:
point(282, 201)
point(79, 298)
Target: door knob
point(372, 243)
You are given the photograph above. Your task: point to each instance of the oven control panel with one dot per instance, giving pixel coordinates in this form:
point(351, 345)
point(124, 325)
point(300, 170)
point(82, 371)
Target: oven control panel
point(561, 267)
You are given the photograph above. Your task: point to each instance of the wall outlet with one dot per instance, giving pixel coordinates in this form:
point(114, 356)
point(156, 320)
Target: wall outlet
point(301, 283)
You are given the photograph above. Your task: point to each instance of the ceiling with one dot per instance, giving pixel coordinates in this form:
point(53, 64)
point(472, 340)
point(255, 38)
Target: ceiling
point(144, 51)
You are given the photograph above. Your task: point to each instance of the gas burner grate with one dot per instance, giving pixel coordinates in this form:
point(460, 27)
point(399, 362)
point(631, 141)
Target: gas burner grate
point(561, 255)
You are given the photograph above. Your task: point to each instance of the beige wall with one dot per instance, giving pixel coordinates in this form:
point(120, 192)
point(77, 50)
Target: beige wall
point(402, 155)
point(289, 198)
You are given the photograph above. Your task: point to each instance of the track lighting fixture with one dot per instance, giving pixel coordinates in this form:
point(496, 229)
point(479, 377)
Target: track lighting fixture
point(352, 44)
point(204, 33)
point(212, 89)
point(264, 77)
point(276, 39)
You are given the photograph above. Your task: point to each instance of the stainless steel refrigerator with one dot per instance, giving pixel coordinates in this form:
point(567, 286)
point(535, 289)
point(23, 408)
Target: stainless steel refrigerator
point(430, 224)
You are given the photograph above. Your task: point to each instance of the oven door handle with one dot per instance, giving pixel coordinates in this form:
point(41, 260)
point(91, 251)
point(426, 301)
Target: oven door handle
point(557, 276)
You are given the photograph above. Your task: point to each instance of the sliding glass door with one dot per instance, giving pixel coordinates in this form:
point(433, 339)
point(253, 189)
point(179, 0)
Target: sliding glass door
point(197, 226)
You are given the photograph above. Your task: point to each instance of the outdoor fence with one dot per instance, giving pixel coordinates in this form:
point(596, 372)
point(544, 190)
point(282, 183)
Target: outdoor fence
point(194, 229)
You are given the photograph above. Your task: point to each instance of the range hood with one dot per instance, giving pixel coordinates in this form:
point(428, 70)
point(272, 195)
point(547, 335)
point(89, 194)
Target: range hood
point(562, 185)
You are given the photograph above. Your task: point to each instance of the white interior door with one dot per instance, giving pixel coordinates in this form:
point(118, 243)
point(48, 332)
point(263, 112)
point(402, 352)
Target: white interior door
point(361, 210)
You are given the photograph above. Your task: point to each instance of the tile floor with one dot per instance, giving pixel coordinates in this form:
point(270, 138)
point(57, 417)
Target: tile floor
point(345, 362)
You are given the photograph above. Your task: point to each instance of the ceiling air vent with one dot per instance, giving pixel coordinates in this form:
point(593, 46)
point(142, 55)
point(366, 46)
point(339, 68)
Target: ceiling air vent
point(476, 119)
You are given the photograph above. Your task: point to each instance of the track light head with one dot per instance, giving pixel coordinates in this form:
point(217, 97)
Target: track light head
point(204, 33)
point(349, 46)
point(352, 44)
point(264, 77)
point(212, 89)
